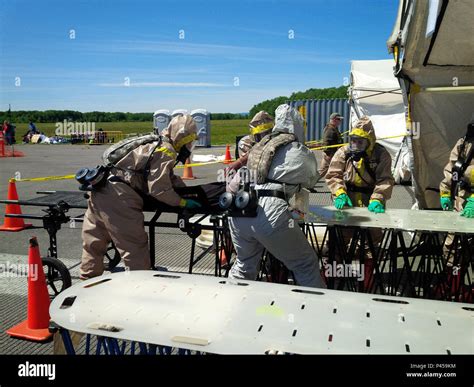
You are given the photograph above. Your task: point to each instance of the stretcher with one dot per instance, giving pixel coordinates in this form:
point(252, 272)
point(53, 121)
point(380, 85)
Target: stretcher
point(411, 259)
point(401, 219)
point(222, 316)
point(56, 205)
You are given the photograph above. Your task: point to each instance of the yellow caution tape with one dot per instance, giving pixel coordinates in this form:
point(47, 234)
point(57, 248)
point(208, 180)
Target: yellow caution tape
point(329, 146)
point(65, 177)
point(201, 164)
point(346, 143)
point(398, 135)
point(47, 178)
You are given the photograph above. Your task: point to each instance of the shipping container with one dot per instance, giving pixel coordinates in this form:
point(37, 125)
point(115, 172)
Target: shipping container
point(316, 113)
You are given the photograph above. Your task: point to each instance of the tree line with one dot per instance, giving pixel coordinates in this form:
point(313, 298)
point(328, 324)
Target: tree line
point(24, 116)
point(229, 116)
point(271, 104)
point(20, 116)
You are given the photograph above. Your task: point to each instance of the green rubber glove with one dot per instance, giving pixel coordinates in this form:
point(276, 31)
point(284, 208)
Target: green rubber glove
point(191, 204)
point(376, 206)
point(446, 203)
point(468, 211)
point(342, 200)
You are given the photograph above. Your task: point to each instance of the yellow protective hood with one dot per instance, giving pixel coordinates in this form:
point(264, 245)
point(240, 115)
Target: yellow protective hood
point(181, 130)
point(364, 128)
point(260, 123)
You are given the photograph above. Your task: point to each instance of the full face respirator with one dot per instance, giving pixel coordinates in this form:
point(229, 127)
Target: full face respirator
point(358, 147)
point(92, 178)
point(185, 146)
point(183, 155)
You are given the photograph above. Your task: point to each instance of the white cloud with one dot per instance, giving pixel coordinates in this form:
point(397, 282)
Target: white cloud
point(164, 84)
point(220, 51)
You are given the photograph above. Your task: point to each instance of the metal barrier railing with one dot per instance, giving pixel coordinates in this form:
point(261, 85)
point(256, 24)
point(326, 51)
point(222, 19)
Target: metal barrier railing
point(98, 137)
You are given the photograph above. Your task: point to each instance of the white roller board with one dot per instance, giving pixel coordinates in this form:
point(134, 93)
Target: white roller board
point(218, 315)
point(408, 220)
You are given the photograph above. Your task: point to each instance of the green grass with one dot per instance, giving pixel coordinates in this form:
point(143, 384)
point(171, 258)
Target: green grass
point(222, 131)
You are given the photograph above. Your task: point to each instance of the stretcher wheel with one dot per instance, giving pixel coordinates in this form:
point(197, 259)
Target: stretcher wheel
point(111, 257)
point(57, 275)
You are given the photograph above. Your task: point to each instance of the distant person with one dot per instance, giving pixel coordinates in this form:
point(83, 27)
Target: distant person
point(9, 133)
point(27, 137)
point(101, 136)
point(33, 129)
point(331, 136)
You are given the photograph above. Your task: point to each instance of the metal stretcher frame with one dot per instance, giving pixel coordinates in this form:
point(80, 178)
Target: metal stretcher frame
point(221, 316)
point(56, 216)
point(425, 247)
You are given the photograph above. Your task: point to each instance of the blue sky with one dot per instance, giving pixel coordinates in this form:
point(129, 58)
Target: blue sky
point(232, 55)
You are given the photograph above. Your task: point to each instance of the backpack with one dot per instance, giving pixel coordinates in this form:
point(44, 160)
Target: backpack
point(262, 153)
point(118, 151)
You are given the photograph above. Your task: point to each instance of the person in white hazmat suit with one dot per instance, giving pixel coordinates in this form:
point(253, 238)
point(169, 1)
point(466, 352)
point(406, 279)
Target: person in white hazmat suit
point(292, 167)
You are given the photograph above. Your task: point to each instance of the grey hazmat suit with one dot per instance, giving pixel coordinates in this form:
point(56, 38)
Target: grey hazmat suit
point(293, 166)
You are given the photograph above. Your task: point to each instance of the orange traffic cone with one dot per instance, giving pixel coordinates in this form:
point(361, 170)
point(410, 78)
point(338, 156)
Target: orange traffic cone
point(5, 153)
point(228, 157)
point(188, 171)
point(13, 224)
point(35, 327)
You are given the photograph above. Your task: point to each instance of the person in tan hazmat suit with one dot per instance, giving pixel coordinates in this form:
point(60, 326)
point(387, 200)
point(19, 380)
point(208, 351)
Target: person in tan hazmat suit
point(261, 124)
point(456, 188)
point(115, 211)
point(360, 174)
point(456, 192)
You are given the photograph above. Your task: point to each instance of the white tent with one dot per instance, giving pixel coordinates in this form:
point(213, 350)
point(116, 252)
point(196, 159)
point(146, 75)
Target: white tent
point(433, 46)
point(375, 92)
